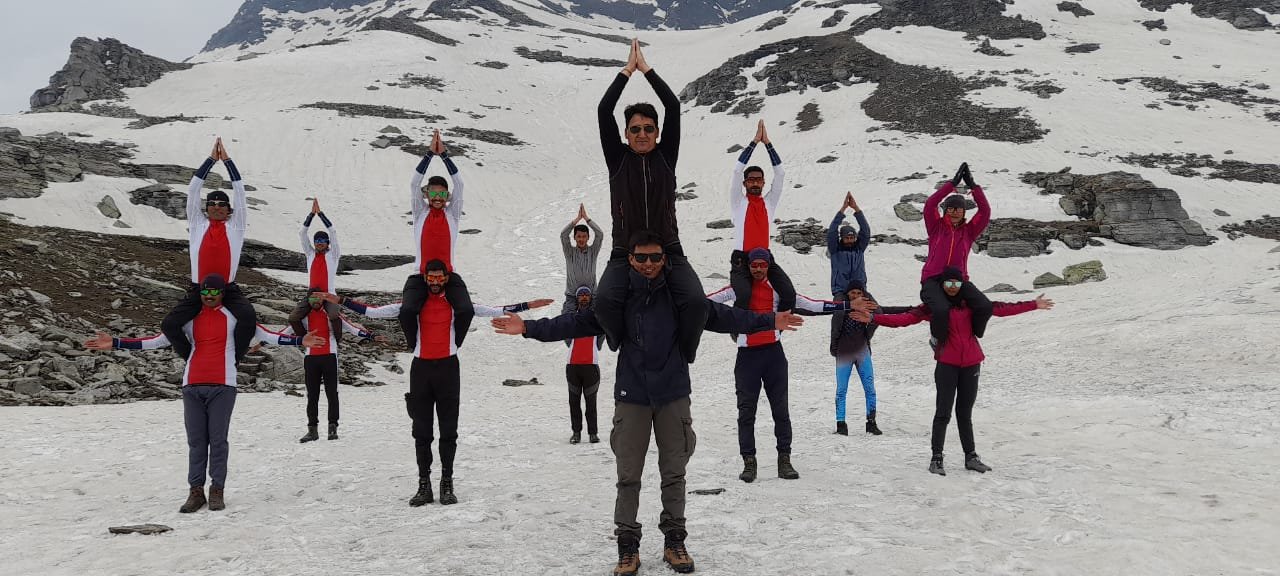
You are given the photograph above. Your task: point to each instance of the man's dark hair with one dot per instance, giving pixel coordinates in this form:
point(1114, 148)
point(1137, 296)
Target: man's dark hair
point(645, 238)
point(642, 108)
point(438, 181)
point(751, 169)
point(315, 289)
point(581, 228)
point(437, 265)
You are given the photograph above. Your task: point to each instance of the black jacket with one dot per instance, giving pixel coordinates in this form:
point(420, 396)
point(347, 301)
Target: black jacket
point(650, 368)
point(642, 187)
point(848, 343)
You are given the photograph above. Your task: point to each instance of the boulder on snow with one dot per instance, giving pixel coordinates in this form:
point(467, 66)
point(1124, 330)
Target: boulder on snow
point(107, 206)
point(907, 212)
point(1090, 271)
point(146, 529)
point(1047, 280)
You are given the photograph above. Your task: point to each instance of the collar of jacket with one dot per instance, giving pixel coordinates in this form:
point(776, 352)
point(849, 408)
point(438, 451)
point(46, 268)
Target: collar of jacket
point(639, 282)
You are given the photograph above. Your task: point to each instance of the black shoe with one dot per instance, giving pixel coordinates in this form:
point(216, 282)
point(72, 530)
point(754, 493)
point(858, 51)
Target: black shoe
point(971, 462)
point(785, 471)
point(424, 495)
point(576, 438)
point(748, 469)
point(842, 428)
point(594, 439)
point(195, 500)
point(333, 431)
point(312, 435)
point(446, 492)
point(935, 465)
point(871, 425)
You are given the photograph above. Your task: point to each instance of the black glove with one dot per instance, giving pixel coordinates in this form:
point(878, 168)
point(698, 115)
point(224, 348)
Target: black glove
point(960, 174)
point(968, 176)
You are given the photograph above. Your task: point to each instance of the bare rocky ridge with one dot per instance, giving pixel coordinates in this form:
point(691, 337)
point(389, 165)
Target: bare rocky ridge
point(407, 26)
point(557, 56)
point(1187, 95)
point(1265, 227)
point(457, 10)
point(249, 26)
point(99, 70)
point(1240, 13)
point(976, 18)
point(1193, 165)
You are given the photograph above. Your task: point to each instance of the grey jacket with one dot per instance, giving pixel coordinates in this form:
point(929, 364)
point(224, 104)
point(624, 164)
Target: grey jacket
point(580, 266)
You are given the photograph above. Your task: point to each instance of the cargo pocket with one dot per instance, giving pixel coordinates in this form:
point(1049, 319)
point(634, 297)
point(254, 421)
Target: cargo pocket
point(690, 439)
point(613, 434)
point(408, 404)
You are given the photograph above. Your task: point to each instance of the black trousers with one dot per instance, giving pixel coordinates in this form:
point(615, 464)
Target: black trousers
point(933, 296)
point(959, 387)
point(415, 295)
point(188, 308)
point(434, 385)
point(740, 280)
point(584, 380)
point(686, 292)
point(317, 370)
point(762, 367)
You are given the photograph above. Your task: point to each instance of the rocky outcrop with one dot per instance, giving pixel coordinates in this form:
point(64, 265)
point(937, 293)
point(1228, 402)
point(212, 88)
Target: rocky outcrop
point(907, 98)
point(406, 26)
point(1187, 94)
point(491, 136)
point(1090, 271)
point(249, 25)
point(1082, 48)
point(149, 121)
point(99, 70)
point(1021, 238)
point(159, 196)
point(1074, 8)
point(772, 23)
point(411, 80)
point(907, 212)
point(808, 118)
point(985, 47)
point(1242, 14)
point(610, 37)
point(836, 18)
point(1265, 227)
point(1203, 165)
point(458, 10)
point(976, 18)
point(680, 15)
point(1155, 25)
point(1042, 88)
point(391, 112)
point(557, 56)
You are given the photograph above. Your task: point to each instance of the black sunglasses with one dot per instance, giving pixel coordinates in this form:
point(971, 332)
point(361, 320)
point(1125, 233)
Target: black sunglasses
point(648, 129)
point(643, 257)
point(213, 203)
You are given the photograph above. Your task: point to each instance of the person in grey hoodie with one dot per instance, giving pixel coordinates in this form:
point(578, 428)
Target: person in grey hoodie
point(845, 247)
point(579, 257)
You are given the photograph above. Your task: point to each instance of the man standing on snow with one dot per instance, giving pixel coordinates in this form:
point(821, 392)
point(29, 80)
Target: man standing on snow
point(322, 255)
point(951, 237)
point(651, 391)
point(434, 376)
point(579, 256)
point(208, 386)
point(752, 215)
point(583, 374)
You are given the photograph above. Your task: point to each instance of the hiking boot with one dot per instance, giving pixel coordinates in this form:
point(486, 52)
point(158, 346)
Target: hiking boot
point(675, 554)
point(215, 499)
point(628, 556)
point(424, 495)
point(446, 492)
point(935, 465)
point(971, 462)
point(785, 471)
point(871, 425)
point(748, 469)
point(312, 435)
point(195, 500)
point(333, 431)
point(576, 438)
point(594, 439)
point(842, 428)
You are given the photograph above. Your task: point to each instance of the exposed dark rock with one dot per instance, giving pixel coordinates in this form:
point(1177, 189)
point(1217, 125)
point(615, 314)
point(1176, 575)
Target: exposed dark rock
point(835, 18)
point(610, 37)
point(907, 212)
point(514, 382)
point(410, 80)
point(907, 98)
point(827, 159)
point(1082, 48)
point(389, 129)
point(734, 148)
point(973, 17)
point(557, 56)
point(1074, 8)
point(1191, 165)
point(1155, 25)
point(1090, 271)
point(149, 121)
point(1264, 227)
point(172, 203)
point(1020, 237)
point(679, 15)
point(918, 198)
point(912, 176)
point(716, 224)
point(1048, 280)
point(407, 26)
point(1002, 287)
point(325, 42)
point(808, 118)
point(249, 26)
point(391, 112)
point(107, 206)
point(1042, 88)
point(495, 64)
point(986, 48)
point(453, 10)
point(686, 196)
point(490, 136)
point(1239, 13)
point(1219, 212)
point(145, 529)
point(748, 106)
point(469, 231)
point(1179, 93)
point(99, 70)
point(774, 22)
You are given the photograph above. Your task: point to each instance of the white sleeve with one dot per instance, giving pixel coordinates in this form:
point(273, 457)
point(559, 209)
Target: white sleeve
point(724, 295)
point(775, 190)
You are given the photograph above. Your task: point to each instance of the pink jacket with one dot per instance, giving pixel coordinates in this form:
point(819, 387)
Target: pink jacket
point(961, 348)
point(949, 246)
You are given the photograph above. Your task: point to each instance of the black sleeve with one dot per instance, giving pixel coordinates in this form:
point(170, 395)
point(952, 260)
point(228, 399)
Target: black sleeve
point(730, 320)
point(609, 132)
point(670, 144)
point(563, 327)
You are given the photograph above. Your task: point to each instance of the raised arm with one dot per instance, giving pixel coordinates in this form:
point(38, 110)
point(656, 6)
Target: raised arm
point(239, 198)
point(779, 178)
point(864, 232)
point(737, 197)
point(455, 192)
point(566, 239)
point(304, 236)
point(598, 242)
point(980, 220)
point(194, 213)
point(416, 200)
point(670, 144)
point(931, 216)
point(334, 247)
point(609, 133)
point(833, 233)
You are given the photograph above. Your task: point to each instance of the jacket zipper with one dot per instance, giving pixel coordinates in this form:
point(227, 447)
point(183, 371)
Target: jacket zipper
point(644, 164)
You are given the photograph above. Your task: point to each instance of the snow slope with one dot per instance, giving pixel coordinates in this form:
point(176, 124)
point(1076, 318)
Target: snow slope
point(1133, 429)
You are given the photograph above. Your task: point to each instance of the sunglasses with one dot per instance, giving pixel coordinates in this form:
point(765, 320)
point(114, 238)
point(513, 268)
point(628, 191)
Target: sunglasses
point(222, 203)
point(754, 179)
point(952, 283)
point(642, 257)
point(437, 193)
point(210, 291)
point(648, 129)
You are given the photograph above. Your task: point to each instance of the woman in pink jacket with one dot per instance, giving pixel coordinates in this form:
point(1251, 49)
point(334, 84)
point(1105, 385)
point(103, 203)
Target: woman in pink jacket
point(951, 237)
point(959, 363)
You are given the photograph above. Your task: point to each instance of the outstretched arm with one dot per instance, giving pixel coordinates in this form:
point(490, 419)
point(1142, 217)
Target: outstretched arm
point(723, 296)
point(730, 320)
point(806, 306)
point(562, 327)
point(1003, 309)
point(104, 342)
point(495, 311)
point(914, 316)
point(355, 330)
point(386, 311)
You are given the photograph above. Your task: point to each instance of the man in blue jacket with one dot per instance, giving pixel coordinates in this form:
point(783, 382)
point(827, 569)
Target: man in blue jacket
point(845, 247)
point(651, 391)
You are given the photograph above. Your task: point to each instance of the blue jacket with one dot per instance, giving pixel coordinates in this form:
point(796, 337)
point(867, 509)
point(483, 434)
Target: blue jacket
point(847, 264)
point(650, 368)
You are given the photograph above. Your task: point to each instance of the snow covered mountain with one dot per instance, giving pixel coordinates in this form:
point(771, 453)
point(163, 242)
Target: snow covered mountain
point(1134, 419)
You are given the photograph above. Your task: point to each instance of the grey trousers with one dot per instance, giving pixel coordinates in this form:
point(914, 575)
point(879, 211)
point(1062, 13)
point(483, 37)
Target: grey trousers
point(207, 413)
point(672, 427)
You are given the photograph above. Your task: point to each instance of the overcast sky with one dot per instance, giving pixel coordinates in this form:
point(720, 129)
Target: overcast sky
point(36, 35)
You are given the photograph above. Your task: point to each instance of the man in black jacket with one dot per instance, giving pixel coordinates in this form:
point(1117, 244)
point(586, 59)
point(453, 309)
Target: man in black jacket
point(651, 391)
point(642, 196)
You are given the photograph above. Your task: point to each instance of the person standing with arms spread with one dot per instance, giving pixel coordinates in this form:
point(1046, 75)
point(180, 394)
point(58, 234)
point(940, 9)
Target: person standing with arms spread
point(320, 363)
point(208, 386)
point(642, 197)
point(583, 374)
point(579, 256)
point(752, 215)
point(322, 255)
point(216, 241)
point(951, 237)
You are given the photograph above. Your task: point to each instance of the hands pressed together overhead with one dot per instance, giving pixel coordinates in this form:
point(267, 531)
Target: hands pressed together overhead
point(963, 175)
point(635, 60)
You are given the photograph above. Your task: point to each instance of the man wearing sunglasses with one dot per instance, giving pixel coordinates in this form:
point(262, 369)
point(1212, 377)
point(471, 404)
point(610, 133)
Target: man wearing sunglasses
point(651, 391)
point(752, 214)
point(208, 385)
point(322, 256)
point(436, 213)
point(580, 256)
point(762, 364)
point(320, 363)
point(434, 375)
point(216, 237)
point(951, 237)
point(959, 361)
point(642, 191)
